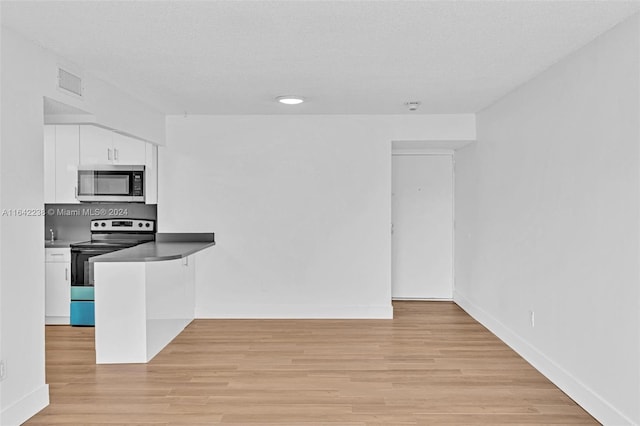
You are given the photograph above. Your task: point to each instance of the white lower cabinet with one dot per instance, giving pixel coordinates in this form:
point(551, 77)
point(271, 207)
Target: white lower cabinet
point(57, 285)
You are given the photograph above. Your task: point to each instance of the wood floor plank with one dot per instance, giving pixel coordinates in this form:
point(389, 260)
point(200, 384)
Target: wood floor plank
point(431, 365)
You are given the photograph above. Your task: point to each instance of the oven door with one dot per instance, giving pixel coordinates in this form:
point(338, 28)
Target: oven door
point(111, 184)
point(81, 268)
point(82, 309)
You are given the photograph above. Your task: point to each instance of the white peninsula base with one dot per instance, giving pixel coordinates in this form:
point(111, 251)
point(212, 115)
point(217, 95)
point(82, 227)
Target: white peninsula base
point(140, 307)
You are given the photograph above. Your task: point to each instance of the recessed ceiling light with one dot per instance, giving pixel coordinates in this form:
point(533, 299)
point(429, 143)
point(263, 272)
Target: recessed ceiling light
point(290, 100)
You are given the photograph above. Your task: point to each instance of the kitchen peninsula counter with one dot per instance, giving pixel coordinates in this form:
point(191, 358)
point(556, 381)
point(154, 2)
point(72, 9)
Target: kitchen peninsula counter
point(145, 295)
point(168, 246)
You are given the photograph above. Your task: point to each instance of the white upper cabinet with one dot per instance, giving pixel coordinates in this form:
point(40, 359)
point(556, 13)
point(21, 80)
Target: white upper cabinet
point(101, 146)
point(96, 146)
point(68, 146)
point(128, 151)
point(151, 174)
point(49, 164)
point(67, 153)
point(61, 156)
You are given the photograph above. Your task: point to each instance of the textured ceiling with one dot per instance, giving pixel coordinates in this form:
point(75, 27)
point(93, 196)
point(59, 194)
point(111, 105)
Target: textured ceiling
point(362, 57)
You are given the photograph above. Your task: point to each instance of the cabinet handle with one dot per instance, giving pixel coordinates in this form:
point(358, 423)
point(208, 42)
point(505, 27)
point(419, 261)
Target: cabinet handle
point(66, 274)
point(109, 154)
point(115, 154)
point(56, 254)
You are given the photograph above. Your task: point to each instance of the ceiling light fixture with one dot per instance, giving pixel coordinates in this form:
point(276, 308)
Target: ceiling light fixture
point(290, 100)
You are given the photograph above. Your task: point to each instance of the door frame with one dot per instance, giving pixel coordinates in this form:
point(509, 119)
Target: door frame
point(428, 152)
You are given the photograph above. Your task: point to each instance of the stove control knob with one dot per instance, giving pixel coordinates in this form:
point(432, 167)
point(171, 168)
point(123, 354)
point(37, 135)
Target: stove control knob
point(96, 224)
point(103, 224)
point(140, 224)
point(147, 224)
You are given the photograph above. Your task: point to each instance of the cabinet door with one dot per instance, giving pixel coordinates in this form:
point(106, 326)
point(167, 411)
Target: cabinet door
point(128, 151)
point(49, 164)
point(57, 292)
point(67, 156)
point(96, 145)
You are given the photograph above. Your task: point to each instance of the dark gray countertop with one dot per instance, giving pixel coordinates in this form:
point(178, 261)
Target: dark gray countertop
point(58, 243)
point(166, 247)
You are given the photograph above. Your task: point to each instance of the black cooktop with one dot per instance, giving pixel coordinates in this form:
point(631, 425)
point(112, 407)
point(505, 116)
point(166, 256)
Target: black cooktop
point(108, 244)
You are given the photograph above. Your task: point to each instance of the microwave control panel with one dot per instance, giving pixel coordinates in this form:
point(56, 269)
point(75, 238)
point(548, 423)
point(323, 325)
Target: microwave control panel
point(138, 184)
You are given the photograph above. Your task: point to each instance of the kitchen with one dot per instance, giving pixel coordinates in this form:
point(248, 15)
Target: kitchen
point(301, 208)
point(100, 211)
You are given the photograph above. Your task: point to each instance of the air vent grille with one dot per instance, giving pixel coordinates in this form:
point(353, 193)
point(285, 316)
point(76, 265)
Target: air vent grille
point(69, 82)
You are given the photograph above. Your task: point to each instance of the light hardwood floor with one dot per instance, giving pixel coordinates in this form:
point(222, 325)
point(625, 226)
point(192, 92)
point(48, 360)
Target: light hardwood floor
point(431, 365)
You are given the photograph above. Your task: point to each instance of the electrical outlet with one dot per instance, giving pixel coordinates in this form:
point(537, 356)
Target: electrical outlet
point(3, 370)
point(532, 318)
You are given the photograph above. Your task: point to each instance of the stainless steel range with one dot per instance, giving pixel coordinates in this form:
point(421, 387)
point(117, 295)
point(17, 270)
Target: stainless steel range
point(107, 235)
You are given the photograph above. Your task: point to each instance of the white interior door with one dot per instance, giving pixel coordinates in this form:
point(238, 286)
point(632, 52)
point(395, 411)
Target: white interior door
point(422, 215)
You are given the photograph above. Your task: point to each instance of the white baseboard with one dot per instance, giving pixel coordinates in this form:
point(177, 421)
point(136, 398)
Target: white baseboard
point(422, 299)
point(593, 403)
point(27, 407)
point(242, 311)
point(57, 320)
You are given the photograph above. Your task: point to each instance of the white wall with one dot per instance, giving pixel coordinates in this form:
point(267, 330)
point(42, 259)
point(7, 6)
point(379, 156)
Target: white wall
point(301, 208)
point(109, 105)
point(547, 214)
point(28, 74)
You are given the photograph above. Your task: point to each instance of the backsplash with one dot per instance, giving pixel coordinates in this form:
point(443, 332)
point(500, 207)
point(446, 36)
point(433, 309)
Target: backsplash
point(70, 222)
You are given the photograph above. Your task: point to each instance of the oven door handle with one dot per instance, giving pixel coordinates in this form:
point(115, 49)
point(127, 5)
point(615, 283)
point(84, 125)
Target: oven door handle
point(94, 252)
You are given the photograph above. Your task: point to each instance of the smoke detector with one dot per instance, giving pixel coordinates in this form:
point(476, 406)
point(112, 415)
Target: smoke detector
point(412, 105)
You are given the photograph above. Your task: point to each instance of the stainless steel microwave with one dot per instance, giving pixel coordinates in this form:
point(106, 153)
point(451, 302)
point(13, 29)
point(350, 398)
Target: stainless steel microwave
point(111, 184)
